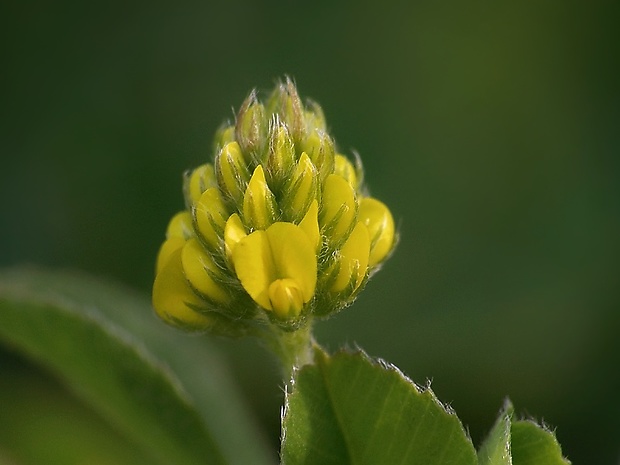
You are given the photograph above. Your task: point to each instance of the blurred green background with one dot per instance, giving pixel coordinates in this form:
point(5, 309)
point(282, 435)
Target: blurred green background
point(492, 130)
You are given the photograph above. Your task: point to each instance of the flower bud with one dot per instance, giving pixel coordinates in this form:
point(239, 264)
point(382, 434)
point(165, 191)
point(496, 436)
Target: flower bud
point(210, 216)
point(223, 136)
point(315, 119)
point(258, 202)
point(378, 219)
point(251, 127)
point(281, 159)
point(201, 272)
point(353, 261)
point(167, 250)
point(233, 173)
point(286, 103)
point(339, 209)
point(198, 181)
point(174, 300)
point(320, 148)
point(300, 189)
point(343, 167)
point(180, 226)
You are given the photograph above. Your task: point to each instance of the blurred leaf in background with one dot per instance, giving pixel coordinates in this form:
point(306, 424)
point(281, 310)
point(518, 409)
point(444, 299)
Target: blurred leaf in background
point(491, 130)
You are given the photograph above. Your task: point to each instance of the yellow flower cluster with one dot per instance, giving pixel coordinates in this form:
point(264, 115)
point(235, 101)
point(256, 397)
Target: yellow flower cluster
point(277, 229)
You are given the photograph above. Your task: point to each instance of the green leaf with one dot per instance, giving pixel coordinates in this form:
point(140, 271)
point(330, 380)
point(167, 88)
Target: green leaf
point(519, 443)
point(163, 390)
point(496, 448)
point(535, 445)
point(42, 423)
point(350, 409)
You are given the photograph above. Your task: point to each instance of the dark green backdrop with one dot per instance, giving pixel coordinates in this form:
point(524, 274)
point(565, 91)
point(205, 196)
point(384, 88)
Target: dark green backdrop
point(492, 130)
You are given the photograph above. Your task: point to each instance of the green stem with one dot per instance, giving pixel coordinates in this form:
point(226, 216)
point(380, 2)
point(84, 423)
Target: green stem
point(294, 349)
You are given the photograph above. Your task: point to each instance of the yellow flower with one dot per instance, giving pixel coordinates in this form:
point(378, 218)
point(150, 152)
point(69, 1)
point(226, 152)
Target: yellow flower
point(277, 229)
point(277, 267)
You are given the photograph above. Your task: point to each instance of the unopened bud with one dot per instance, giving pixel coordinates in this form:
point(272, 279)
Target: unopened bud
point(339, 209)
point(353, 260)
point(376, 216)
point(251, 127)
point(300, 189)
point(198, 181)
point(233, 174)
point(200, 271)
point(320, 148)
point(281, 158)
point(210, 216)
point(259, 208)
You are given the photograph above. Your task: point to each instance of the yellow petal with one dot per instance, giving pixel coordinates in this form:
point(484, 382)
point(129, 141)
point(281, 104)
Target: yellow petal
point(294, 256)
point(166, 250)
point(233, 233)
point(282, 252)
point(180, 226)
point(310, 224)
point(172, 297)
point(254, 266)
point(199, 268)
point(210, 215)
point(199, 181)
point(339, 207)
point(378, 219)
point(286, 297)
point(258, 202)
point(345, 168)
point(353, 259)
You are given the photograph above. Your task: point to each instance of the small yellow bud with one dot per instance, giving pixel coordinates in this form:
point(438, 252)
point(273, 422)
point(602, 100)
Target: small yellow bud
point(258, 202)
point(281, 153)
point(300, 189)
point(353, 260)
point(251, 127)
point(315, 119)
point(198, 181)
point(224, 135)
point(210, 216)
point(286, 103)
point(200, 269)
point(180, 226)
point(166, 251)
point(343, 167)
point(339, 209)
point(320, 148)
point(233, 174)
point(378, 219)
point(174, 300)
